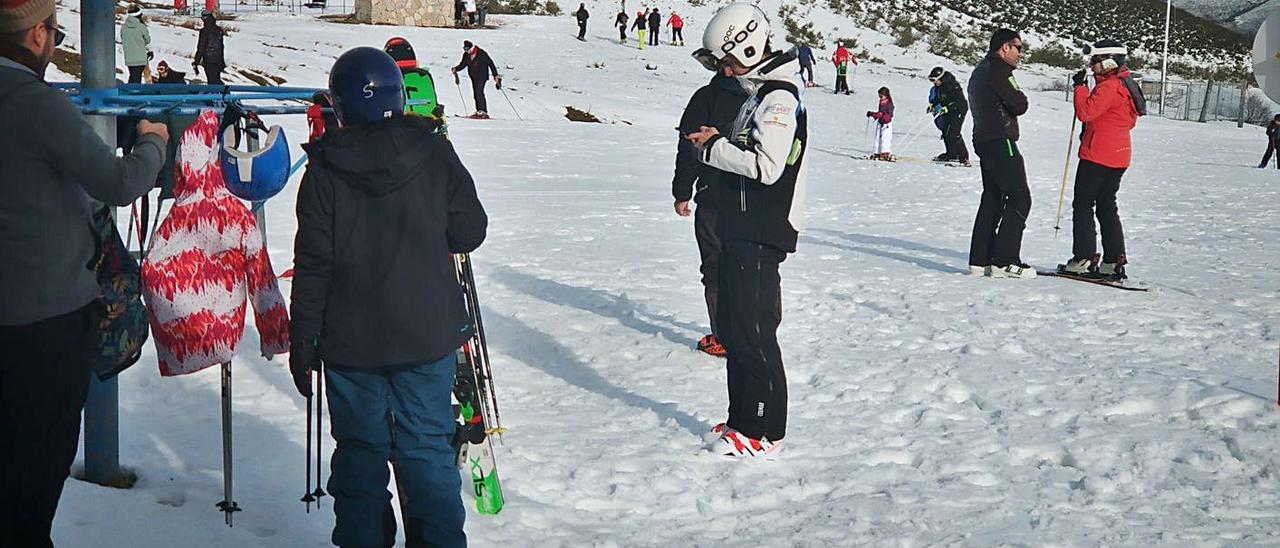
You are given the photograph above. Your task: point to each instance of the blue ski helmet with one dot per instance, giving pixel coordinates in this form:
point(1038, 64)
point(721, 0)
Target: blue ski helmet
point(367, 86)
point(259, 174)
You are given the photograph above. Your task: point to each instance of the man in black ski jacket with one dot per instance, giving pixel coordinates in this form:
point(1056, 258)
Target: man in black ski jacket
point(1273, 137)
point(996, 102)
point(209, 50)
point(478, 65)
point(655, 24)
point(582, 16)
point(714, 105)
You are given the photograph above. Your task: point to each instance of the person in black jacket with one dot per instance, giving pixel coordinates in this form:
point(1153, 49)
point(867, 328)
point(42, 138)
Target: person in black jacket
point(209, 50)
point(621, 22)
point(655, 24)
point(996, 102)
point(950, 108)
point(478, 65)
point(166, 75)
point(1273, 138)
point(715, 105)
point(376, 305)
point(582, 16)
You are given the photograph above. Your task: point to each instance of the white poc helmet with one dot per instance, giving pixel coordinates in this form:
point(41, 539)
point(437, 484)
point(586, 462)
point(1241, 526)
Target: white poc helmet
point(739, 30)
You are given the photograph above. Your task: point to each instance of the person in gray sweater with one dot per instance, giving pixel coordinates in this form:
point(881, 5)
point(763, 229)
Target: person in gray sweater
point(51, 165)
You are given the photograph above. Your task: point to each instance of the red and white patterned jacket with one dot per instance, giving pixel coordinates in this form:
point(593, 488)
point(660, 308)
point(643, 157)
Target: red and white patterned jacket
point(206, 255)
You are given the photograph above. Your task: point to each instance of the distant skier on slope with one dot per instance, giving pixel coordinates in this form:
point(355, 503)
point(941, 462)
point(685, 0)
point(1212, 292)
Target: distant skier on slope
point(639, 25)
point(677, 28)
point(757, 222)
point(715, 104)
point(883, 116)
point(1108, 113)
point(949, 108)
point(1273, 139)
point(582, 15)
point(655, 26)
point(805, 55)
point(478, 65)
point(621, 22)
point(376, 303)
point(841, 59)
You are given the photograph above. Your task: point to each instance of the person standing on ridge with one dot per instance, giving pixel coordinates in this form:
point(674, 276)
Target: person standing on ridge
point(375, 234)
point(715, 104)
point(209, 50)
point(582, 16)
point(478, 65)
point(1109, 113)
point(997, 102)
point(137, 44)
point(758, 220)
point(54, 166)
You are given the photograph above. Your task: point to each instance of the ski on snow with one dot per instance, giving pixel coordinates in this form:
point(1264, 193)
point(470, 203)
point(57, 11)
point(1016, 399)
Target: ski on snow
point(1095, 279)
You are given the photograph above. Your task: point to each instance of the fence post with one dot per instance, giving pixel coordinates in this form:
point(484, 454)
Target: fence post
point(1204, 108)
point(1244, 96)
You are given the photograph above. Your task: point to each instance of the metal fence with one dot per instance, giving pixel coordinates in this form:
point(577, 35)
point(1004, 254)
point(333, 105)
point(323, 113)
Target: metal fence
point(1202, 101)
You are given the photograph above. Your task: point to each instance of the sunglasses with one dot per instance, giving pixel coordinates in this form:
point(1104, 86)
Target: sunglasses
point(706, 59)
point(1097, 59)
point(58, 35)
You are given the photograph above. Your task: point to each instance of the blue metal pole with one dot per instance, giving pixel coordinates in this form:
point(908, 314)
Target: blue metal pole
point(101, 411)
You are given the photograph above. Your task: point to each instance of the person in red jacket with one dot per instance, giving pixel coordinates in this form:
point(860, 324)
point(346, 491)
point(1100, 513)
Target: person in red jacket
point(677, 28)
point(841, 59)
point(1109, 112)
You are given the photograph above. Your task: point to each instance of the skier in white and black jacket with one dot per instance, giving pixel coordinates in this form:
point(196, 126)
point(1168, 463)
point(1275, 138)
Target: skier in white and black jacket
point(717, 105)
point(757, 222)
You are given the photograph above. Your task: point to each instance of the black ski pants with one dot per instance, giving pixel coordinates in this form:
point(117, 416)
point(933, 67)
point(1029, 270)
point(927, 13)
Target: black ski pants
point(582, 30)
point(213, 73)
point(1271, 149)
point(44, 379)
point(653, 35)
point(750, 312)
point(1095, 193)
point(677, 35)
point(477, 91)
point(842, 84)
point(1006, 202)
point(704, 229)
point(806, 70)
point(622, 33)
point(953, 123)
point(135, 74)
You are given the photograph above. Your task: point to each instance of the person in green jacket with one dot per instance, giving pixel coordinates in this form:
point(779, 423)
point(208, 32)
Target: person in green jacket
point(137, 43)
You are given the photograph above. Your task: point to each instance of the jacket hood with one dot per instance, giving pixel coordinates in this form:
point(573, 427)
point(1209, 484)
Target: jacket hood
point(728, 84)
point(781, 67)
point(376, 158)
point(133, 22)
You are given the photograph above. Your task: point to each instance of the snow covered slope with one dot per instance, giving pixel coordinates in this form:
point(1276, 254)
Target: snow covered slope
point(1246, 15)
point(928, 407)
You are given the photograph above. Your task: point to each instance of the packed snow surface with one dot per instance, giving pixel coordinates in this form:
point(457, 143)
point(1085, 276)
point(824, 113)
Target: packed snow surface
point(927, 406)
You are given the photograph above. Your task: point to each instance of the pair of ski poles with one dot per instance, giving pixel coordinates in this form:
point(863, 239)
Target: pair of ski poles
point(457, 83)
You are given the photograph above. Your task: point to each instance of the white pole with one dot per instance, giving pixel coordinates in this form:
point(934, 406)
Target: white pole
point(1164, 72)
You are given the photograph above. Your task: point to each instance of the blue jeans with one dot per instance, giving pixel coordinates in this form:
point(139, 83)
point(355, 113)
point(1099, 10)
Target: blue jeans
point(403, 415)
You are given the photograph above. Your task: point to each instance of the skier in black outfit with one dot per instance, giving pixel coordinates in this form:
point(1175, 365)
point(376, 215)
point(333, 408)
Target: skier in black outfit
point(209, 50)
point(655, 24)
point(1273, 139)
point(715, 105)
point(951, 109)
point(621, 22)
point(997, 102)
point(478, 65)
point(582, 16)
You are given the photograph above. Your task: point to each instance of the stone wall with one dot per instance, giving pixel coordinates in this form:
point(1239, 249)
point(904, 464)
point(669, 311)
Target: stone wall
point(413, 13)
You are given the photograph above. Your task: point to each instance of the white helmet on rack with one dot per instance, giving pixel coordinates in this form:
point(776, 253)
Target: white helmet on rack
point(739, 30)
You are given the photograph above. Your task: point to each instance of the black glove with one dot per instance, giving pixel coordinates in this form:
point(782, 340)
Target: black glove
point(150, 55)
point(302, 360)
point(1079, 78)
point(870, 113)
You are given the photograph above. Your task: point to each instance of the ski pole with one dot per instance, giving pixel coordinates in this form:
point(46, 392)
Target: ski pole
point(1062, 192)
point(307, 497)
point(513, 106)
point(228, 506)
point(319, 492)
point(915, 133)
point(458, 84)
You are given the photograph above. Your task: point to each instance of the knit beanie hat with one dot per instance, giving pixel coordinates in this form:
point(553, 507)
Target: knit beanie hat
point(19, 15)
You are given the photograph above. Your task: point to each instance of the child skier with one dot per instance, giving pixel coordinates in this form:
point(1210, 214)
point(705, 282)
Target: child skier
point(841, 59)
point(884, 126)
point(360, 289)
